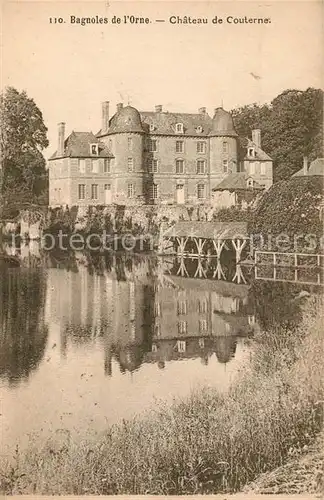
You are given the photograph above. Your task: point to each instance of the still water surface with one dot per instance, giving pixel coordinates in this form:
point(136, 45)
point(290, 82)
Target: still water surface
point(88, 340)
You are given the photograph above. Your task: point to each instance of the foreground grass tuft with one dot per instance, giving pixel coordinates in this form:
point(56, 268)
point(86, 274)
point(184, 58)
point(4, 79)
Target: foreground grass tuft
point(206, 443)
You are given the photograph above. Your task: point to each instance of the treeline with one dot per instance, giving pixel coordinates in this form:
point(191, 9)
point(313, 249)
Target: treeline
point(291, 125)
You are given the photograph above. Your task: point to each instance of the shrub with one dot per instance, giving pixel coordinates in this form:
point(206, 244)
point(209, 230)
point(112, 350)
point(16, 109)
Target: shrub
point(290, 207)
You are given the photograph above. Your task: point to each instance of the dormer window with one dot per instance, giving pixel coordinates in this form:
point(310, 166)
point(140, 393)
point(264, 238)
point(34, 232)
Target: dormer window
point(94, 149)
point(179, 128)
point(152, 128)
point(249, 183)
point(199, 129)
point(251, 152)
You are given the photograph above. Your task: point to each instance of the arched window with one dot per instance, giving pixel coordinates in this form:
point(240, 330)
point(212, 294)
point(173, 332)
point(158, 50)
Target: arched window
point(201, 166)
point(179, 166)
point(179, 128)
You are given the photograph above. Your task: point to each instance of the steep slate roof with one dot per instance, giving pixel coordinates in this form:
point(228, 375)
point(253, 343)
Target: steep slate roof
point(164, 122)
point(235, 182)
point(224, 288)
point(223, 124)
point(223, 346)
point(315, 168)
point(127, 119)
point(77, 145)
point(208, 230)
point(260, 155)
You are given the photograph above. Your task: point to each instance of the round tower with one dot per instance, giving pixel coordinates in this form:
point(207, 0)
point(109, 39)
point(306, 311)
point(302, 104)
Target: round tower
point(223, 146)
point(125, 139)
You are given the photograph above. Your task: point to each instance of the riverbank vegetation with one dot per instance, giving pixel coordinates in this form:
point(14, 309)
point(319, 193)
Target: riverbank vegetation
point(290, 211)
point(207, 443)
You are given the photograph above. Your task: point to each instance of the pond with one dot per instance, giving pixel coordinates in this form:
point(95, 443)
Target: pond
point(89, 339)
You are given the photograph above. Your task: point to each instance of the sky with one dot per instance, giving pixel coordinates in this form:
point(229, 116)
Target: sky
point(69, 69)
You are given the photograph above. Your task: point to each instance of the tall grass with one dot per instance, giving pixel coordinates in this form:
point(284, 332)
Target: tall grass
point(206, 443)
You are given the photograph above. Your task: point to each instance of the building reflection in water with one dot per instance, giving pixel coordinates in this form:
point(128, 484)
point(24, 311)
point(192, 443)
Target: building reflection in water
point(198, 317)
point(143, 314)
point(135, 309)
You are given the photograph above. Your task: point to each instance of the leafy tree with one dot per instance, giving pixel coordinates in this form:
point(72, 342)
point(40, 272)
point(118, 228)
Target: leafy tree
point(291, 207)
point(23, 137)
point(292, 127)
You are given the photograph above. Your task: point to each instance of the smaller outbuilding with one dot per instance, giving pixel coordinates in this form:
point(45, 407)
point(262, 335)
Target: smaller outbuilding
point(238, 189)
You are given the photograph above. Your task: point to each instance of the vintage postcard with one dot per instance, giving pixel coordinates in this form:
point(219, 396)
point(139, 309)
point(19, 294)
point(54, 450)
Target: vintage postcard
point(161, 249)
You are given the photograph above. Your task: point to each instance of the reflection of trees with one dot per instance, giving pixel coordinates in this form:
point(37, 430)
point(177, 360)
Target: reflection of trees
point(277, 304)
point(23, 333)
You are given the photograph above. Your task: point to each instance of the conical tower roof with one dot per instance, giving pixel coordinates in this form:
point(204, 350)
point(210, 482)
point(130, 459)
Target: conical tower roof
point(222, 124)
point(127, 119)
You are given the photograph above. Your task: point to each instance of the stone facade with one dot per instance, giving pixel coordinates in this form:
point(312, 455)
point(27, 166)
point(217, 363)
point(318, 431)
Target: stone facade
point(150, 158)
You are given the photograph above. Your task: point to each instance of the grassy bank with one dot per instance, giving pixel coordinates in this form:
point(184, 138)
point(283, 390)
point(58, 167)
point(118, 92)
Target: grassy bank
point(207, 443)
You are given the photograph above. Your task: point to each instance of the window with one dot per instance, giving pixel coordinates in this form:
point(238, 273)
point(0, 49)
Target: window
point(82, 166)
point(81, 191)
point(201, 147)
point(199, 129)
point(179, 128)
point(202, 306)
point(201, 343)
point(225, 166)
point(263, 168)
point(202, 325)
point(201, 166)
point(252, 168)
point(95, 166)
point(182, 327)
point(107, 165)
point(130, 190)
point(182, 307)
point(179, 146)
point(152, 128)
point(157, 329)
point(152, 145)
point(152, 166)
point(107, 187)
point(201, 191)
point(251, 319)
point(94, 191)
point(250, 183)
point(155, 191)
point(94, 149)
point(181, 346)
point(157, 309)
point(130, 165)
point(179, 166)
point(251, 152)
point(130, 143)
point(225, 147)
point(154, 348)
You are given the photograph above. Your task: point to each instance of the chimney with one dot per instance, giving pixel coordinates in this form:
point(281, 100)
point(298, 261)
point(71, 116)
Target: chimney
point(305, 165)
point(202, 111)
point(158, 108)
point(61, 138)
point(119, 106)
point(256, 137)
point(105, 116)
